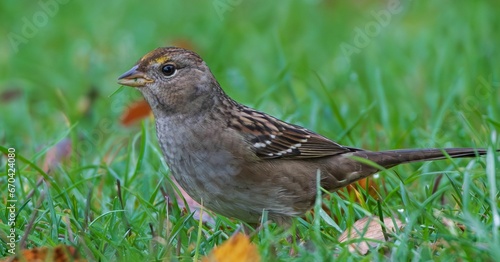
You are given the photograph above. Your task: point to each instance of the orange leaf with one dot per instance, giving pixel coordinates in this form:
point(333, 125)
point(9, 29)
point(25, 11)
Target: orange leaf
point(184, 43)
point(135, 112)
point(366, 183)
point(57, 254)
point(237, 248)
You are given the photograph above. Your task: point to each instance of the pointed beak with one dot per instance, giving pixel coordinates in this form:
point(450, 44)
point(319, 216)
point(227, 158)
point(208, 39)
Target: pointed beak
point(134, 78)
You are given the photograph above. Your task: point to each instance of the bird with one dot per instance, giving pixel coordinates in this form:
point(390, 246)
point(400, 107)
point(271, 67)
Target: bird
point(240, 162)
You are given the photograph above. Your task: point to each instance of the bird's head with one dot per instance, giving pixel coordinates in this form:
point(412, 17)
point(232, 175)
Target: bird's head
point(173, 81)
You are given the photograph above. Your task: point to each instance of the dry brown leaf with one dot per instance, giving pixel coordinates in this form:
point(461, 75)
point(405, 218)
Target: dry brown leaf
point(453, 227)
point(10, 95)
point(183, 43)
point(56, 154)
point(135, 112)
point(369, 228)
point(42, 254)
point(237, 248)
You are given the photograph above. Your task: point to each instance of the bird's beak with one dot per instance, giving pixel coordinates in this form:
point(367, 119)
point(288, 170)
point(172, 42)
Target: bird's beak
point(134, 78)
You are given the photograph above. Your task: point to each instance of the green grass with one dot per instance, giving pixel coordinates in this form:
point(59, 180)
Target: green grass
point(429, 78)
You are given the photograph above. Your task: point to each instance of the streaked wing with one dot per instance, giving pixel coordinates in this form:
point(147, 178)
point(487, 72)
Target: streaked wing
point(273, 138)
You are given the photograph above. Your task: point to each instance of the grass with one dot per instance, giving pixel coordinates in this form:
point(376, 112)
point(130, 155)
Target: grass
point(428, 78)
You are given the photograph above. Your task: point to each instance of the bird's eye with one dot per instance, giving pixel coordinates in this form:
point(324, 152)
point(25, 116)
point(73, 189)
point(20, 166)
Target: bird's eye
point(168, 69)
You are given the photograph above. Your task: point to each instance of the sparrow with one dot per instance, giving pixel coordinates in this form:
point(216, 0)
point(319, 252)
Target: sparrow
point(240, 161)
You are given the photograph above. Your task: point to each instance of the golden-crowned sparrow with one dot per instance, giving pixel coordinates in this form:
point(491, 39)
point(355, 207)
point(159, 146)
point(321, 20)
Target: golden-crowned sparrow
point(240, 161)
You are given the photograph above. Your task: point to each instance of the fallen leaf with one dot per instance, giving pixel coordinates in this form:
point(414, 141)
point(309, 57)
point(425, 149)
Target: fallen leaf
point(56, 154)
point(183, 43)
point(40, 254)
point(237, 248)
point(369, 231)
point(135, 112)
point(367, 185)
point(10, 94)
point(454, 227)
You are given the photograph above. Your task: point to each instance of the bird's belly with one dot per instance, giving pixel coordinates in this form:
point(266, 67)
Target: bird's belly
point(214, 176)
point(213, 184)
point(216, 183)
point(209, 177)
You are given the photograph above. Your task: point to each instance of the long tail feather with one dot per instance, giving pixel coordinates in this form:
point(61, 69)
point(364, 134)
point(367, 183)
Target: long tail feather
point(347, 168)
point(392, 158)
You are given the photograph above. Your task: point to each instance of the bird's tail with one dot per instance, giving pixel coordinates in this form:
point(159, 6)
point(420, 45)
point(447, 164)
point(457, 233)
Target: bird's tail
point(351, 167)
point(391, 158)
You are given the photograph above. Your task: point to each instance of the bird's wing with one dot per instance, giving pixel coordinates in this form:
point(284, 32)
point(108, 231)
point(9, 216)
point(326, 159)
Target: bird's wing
point(272, 138)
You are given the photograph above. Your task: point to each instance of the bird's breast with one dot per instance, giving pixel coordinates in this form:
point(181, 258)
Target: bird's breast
point(198, 158)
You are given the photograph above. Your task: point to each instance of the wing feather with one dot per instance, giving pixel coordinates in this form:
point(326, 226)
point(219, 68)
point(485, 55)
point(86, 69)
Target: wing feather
point(272, 138)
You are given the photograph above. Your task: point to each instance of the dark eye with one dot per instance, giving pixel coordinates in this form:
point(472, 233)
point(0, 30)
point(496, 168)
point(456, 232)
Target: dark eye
point(168, 69)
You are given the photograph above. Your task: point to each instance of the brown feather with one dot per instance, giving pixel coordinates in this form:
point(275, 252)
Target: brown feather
point(272, 138)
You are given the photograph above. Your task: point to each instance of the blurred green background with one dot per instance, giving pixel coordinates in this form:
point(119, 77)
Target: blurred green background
point(297, 60)
point(370, 74)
